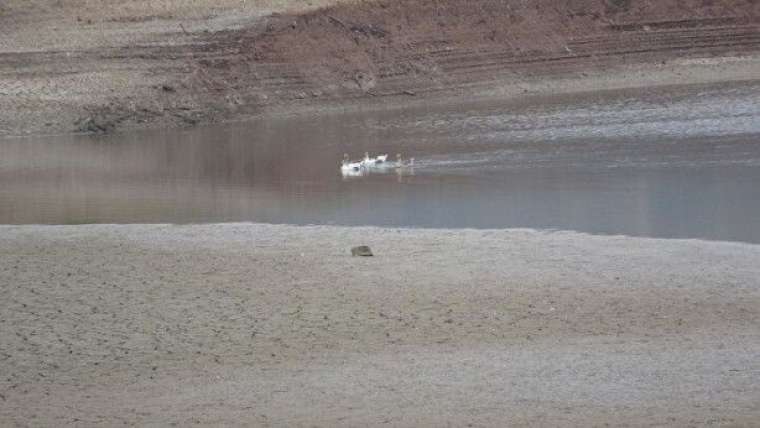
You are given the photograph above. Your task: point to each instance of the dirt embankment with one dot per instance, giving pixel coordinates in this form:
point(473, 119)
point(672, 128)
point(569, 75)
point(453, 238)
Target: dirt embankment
point(176, 68)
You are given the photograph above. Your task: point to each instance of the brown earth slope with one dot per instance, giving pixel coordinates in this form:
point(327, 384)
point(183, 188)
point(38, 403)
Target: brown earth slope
point(212, 68)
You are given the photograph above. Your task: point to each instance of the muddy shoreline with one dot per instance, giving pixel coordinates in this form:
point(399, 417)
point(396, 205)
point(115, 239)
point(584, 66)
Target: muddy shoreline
point(247, 324)
point(111, 69)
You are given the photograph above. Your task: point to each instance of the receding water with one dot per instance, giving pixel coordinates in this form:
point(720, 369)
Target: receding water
point(681, 163)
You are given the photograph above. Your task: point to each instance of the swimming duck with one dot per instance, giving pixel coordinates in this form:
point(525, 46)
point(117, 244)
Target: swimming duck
point(347, 165)
point(370, 162)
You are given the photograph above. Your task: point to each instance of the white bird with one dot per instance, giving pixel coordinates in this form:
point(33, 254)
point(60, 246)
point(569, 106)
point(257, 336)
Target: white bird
point(369, 162)
point(347, 165)
point(367, 165)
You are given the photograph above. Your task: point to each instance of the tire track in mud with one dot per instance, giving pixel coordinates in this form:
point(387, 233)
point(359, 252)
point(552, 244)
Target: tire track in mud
point(447, 66)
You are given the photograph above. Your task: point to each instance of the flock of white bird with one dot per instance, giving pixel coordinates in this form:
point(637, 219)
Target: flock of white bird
point(368, 163)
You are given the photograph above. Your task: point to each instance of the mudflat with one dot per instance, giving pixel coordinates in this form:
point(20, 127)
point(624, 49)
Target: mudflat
point(266, 325)
point(103, 66)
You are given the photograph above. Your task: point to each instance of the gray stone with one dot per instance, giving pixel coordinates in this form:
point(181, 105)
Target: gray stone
point(362, 251)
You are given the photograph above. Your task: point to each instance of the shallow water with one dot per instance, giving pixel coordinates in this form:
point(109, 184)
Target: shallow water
point(677, 163)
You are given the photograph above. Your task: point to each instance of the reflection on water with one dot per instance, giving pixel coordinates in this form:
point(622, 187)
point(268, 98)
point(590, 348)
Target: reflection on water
point(490, 176)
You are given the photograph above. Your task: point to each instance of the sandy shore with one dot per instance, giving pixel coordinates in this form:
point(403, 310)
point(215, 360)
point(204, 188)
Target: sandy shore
point(279, 326)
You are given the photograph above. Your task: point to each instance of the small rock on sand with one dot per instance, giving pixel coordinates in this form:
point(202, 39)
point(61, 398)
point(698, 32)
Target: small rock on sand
point(361, 251)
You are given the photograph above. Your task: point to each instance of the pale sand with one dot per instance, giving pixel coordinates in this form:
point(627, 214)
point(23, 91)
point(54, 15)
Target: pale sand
point(258, 325)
